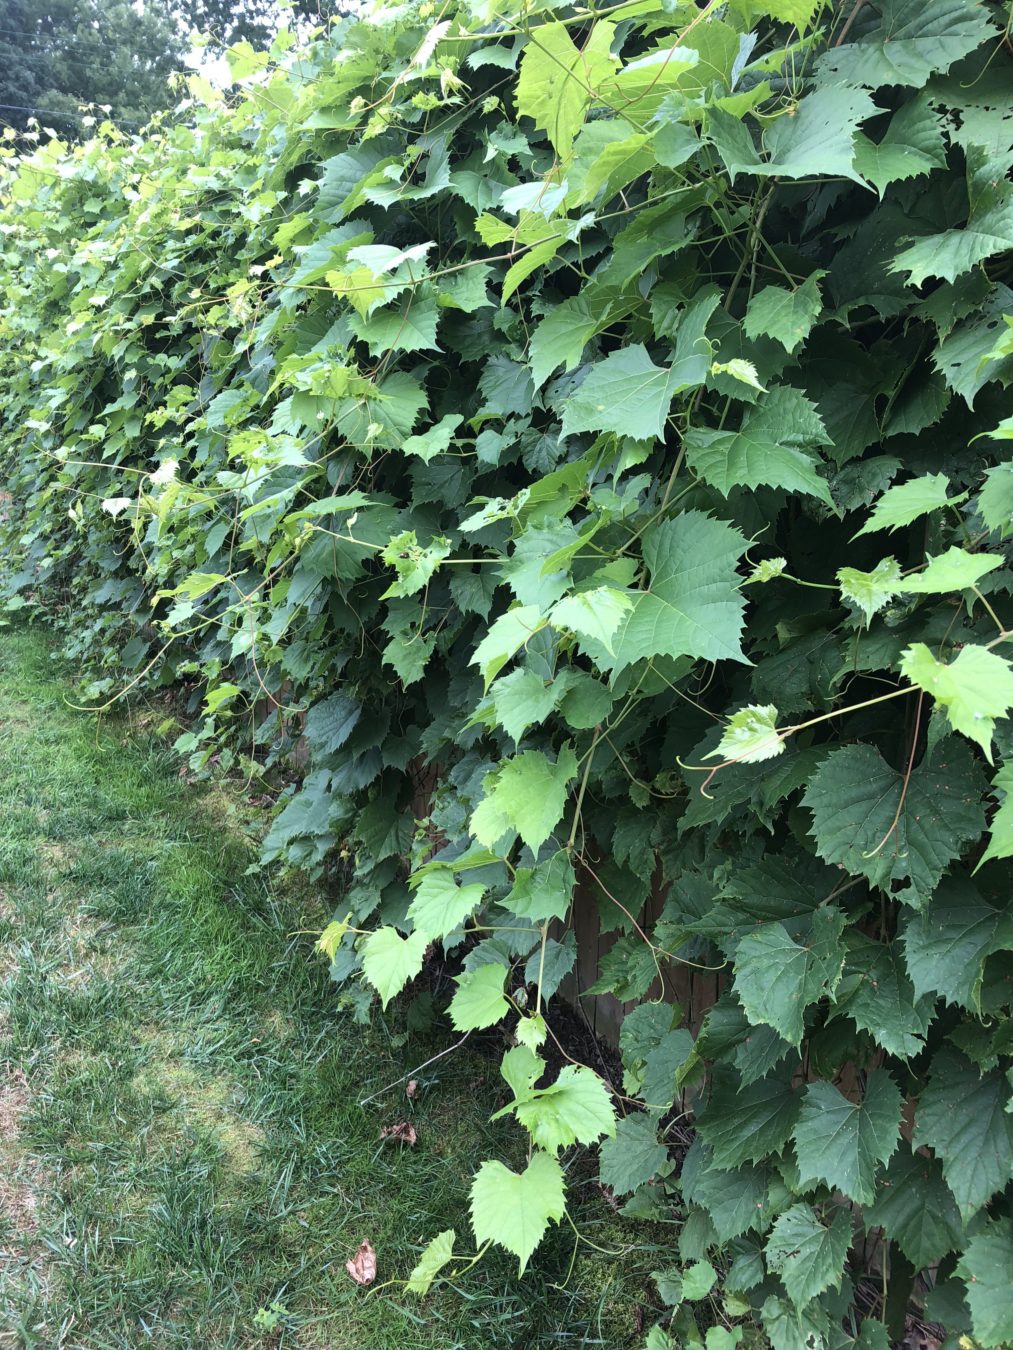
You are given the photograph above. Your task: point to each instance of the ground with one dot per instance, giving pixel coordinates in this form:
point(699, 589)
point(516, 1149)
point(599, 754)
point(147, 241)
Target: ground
point(185, 1140)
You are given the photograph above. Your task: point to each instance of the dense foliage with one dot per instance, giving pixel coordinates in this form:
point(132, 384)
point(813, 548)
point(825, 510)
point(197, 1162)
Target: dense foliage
point(585, 434)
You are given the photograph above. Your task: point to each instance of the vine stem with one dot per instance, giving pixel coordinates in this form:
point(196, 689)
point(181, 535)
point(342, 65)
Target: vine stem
point(907, 776)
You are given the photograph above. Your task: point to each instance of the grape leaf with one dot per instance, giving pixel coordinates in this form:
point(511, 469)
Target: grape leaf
point(916, 1208)
point(808, 1256)
point(954, 570)
point(514, 1210)
point(787, 316)
point(633, 1156)
point(544, 891)
point(841, 1142)
point(747, 1124)
point(975, 689)
point(479, 1001)
point(522, 699)
point(1000, 844)
point(736, 1202)
point(576, 1108)
point(817, 138)
point(693, 606)
point(995, 502)
point(945, 946)
point(911, 145)
point(561, 335)
point(595, 614)
point(526, 794)
point(505, 638)
point(961, 1116)
point(904, 503)
point(438, 1253)
point(863, 820)
point(986, 1264)
point(556, 79)
point(879, 998)
point(389, 961)
point(911, 40)
point(441, 905)
point(777, 978)
point(870, 591)
point(626, 394)
point(749, 736)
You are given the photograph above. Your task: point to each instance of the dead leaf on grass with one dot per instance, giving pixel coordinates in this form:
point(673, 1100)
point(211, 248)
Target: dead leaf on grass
point(402, 1133)
point(362, 1266)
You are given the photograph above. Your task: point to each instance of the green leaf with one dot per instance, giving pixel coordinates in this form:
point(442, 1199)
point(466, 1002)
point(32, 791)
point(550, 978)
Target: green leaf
point(767, 448)
point(544, 891)
point(437, 1254)
point(633, 1156)
point(576, 1108)
point(954, 570)
point(808, 1256)
point(511, 631)
point(556, 79)
point(880, 999)
point(842, 1142)
point(948, 255)
point(786, 316)
point(413, 563)
point(777, 978)
point(693, 606)
point(526, 794)
point(961, 1116)
point(901, 505)
point(736, 1202)
point(479, 1001)
point(986, 1265)
point(593, 614)
point(916, 1208)
point(514, 1210)
point(441, 905)
point(813, 138)
point(911, 41)
point(522, 699)
point(749, 736)
point(626, 394)
point(1000, 844)
point(561, 336)
point(864, 821)
point(436, 440)
point(408, 327)
point(911, 145)
point(748, 1124)
point(870, 591)
point(975, 689)
point(945, 946)
point(389, 961)
point(995, 502)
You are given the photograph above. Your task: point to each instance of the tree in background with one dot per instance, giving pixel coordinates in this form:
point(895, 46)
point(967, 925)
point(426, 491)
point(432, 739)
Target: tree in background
point(60, 54)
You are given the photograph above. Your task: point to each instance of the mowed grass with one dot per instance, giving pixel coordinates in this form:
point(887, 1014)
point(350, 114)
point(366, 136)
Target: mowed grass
point(182, 1139)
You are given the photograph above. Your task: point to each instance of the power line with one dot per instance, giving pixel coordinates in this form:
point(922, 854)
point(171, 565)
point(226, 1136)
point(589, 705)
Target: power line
point(66, 116)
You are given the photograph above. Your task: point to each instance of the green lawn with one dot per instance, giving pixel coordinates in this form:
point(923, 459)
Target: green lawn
point(181, 1136)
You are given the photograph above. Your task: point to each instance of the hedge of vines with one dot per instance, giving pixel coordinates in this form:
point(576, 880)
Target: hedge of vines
point(586, 432)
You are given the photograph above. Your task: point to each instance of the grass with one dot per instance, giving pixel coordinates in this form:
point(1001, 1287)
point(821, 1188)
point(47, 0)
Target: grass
point(181, 1137)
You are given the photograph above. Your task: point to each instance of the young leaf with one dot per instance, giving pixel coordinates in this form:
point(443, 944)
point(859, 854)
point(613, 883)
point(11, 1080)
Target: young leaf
point(544, 891)
point(389, 961)
point(592, 614)
point(522, 699)
point(505, 638)
point(557, 78)
point(750, 735)
point(437, 1254)
point(526, 794)
point(1000, 844)
point(842, 1142)
point(576, 1108)
point(515, 1210)
point(975, 689)
point(870, 591)
point(808, 1256)
point(954, 570)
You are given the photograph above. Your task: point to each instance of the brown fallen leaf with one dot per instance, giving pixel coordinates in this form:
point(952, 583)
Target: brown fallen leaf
point(402, 1133)
point(362, 1266)
point(412, 1088)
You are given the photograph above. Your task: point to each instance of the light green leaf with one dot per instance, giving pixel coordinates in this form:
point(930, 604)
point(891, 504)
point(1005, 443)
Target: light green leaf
point(515, 1210)
point(750, 735)
point(413, 563)
point(441, 905)
point(961, 1117)
point(389, 961)
point(557, 78)
point(436, 440)
point(864, 820)
point(787, 316)
point(738, 369)
point(842, 1142)
point(544, 891)
point(870, 591)
point(777, 978)
point(626, 394)
point(505, 638)
point(561, 336)
point(954, 570)
point(526, 794)
point(986, 1265)
point(693, 606)
point(594, 614)
point(976, 688)
point(522, 699)
point(437, 1254)
point(576, 1108)
point(901, 505)
point(633, 1156)
point(479, 1001)
point(808, 1256)
point(408, 327)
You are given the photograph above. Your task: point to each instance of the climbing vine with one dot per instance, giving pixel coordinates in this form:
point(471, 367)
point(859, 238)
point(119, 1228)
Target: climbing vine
point(581, 434)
